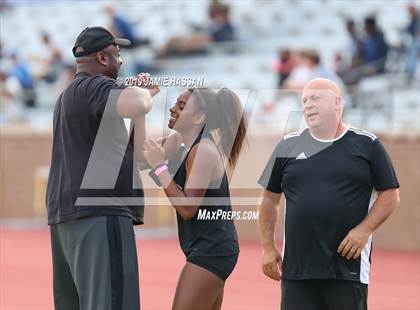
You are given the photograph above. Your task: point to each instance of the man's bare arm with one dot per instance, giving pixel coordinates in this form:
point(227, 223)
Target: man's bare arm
point(267, 222)
point(356, 239)
point(134, 102)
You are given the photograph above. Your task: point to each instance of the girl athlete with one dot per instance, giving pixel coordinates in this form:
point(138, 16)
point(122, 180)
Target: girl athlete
point(210, 130)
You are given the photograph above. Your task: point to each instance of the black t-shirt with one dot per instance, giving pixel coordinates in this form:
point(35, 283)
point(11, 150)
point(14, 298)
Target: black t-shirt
point(92, 162)
point(329, 188)
point(205, 237)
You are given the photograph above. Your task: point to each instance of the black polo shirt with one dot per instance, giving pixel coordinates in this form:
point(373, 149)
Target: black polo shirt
point(92, 160)
point(329, 188)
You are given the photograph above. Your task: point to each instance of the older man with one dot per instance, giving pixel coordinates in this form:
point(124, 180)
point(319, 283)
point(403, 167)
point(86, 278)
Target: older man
point(340, 186)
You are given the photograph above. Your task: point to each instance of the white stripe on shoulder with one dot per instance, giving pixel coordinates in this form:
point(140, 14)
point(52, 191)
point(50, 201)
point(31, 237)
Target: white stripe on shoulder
point(293, 134)
point(366, 133)
point(363, 132)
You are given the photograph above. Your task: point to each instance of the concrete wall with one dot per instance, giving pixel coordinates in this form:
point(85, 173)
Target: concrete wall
point(25, 156)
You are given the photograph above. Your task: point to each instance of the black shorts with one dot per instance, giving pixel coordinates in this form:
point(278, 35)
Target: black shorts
point(329, 294)
point(221, 266)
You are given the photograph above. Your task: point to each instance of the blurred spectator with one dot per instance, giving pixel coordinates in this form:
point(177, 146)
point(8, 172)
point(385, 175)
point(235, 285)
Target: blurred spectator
point(121, 27)
point(413, 30)
point(219, 29)
point(340, 64)
point(4, 5)
point(20, 71)
point(49, 60)
point(343, 66)
point(413, 27)
point(283, 66)
point(372, 55)
point(374, 47)
point(9, 93)
point(305, 70)
point(9, 88)
point(355, 48)
point(308, 67)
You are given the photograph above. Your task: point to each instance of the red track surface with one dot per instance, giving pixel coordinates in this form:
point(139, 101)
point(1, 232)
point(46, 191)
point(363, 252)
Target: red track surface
point(25, 276)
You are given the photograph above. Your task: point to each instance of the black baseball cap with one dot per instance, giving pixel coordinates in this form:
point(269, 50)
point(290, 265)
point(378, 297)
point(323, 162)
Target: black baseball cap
point(94, 39)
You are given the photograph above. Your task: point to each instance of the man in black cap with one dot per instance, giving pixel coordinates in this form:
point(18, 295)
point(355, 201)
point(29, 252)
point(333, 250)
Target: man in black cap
point(94, 193)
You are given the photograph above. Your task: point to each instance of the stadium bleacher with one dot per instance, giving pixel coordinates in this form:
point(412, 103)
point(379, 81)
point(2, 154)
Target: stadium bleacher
point(263, 28)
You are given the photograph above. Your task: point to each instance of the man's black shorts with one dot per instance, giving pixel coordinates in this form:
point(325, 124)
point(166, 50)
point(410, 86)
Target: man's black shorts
point(327, 294)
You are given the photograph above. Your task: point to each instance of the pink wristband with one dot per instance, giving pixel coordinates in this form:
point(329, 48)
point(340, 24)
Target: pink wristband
point(161, 169)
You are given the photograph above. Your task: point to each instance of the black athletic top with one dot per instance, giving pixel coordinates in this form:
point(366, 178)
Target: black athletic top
point(329, 188)
point(204, 237)
point(92, 157)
